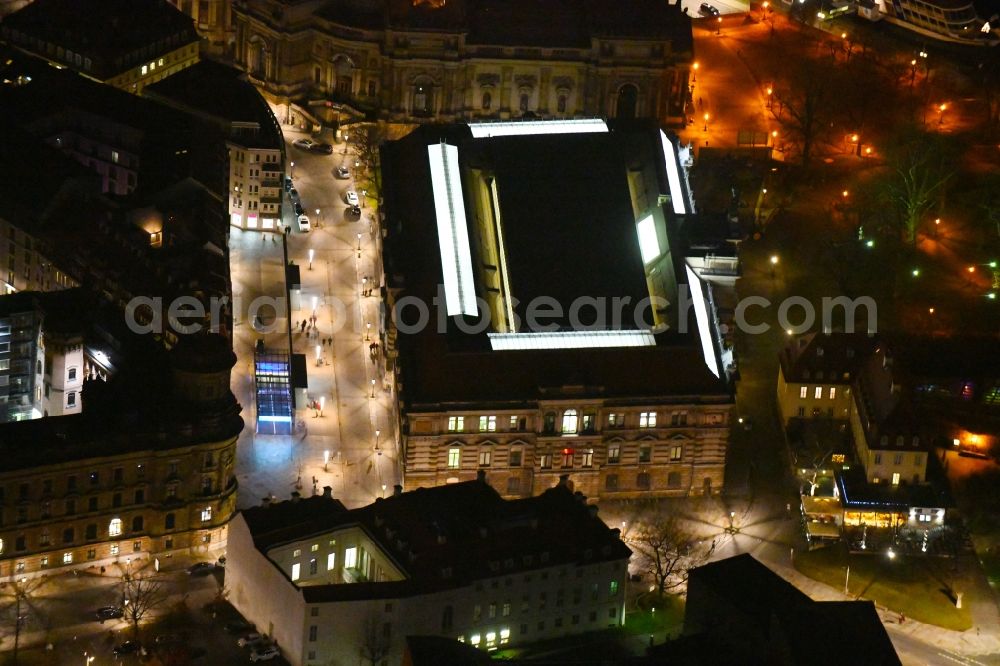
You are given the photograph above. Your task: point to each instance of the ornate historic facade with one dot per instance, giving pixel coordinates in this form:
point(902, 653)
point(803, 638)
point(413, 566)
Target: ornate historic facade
point(129, 477)
point(469, 58)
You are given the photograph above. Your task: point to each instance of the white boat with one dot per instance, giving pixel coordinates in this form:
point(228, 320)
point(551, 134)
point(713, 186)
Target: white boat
point(952, 21)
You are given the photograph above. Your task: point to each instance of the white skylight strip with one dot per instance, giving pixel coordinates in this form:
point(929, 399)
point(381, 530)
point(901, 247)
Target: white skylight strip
point(701, 315)
point(673, 174)
point(526, 127)
point(453, 231)
point(649, 242)
point(570, 340)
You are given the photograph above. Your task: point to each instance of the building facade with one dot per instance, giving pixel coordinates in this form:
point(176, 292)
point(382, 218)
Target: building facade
point(608, 450)
point(122, 479)
point(418, 61)
point(336, 586)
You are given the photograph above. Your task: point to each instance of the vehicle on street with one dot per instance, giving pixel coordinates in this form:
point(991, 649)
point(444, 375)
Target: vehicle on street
point(201, 569)
point(128, 647)
point(264, 653)
point(355, 211)
point(110, 613)
point(221, 562)
point(167, 639)
point(288, 183)
point(250, 640)
point(343, 172)
point(351, 197)
point(304, 144)
point(304, 223)
point(238, 627)
point(293, 194)
point(297, 207)
point(324, 148)
point(708, 10)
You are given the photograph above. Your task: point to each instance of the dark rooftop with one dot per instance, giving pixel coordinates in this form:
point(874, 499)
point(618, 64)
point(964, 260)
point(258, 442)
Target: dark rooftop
point(826, 358)
point(450, 534)
point(564, 248)
point(224, 95)
point(856, 492)
point(112, 33)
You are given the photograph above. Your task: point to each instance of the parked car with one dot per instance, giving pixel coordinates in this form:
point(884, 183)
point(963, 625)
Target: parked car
point(293, 194)
point(343, 172)
point(355, 211)
point(221, 562)
point(201, 569)
point(708, 10)
point(324, 148)
point(288, 183)
point(264, 653)
point(297, 207)
point(238, 627)
point(250, 640)
point(167, 639)
point(304, 223)
point(351, 197)
point(110, 613)
point(128, 647)
point(304, 144)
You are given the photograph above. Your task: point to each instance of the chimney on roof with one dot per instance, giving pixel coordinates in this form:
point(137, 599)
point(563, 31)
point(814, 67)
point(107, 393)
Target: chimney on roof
point(266, 501)
point(397, 490)
point(328, 492)
point(481, 475)
point(593, 510)
point(563, 480)
point(580, 497)
point(295, 496)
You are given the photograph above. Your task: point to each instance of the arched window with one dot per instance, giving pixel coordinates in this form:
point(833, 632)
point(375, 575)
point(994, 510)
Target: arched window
point(115, 527)
point(137, 524)
point(487, 101)
point(525, 99)
point(423, 104)
point(569, 422)
point(628, 96)
point(561, 104)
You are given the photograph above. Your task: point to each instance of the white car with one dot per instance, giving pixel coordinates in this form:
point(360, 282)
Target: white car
point(304, 144)
point(265, 653)
point(304, 223)
point(250, 640)
point(352, 197)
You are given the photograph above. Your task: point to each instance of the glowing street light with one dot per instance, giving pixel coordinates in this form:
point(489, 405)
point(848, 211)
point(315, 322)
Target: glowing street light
point(718, 26)
point(312, 253)
point(373, 389)
point(326, 459)
point(291, 171)
point(770, 91)
point(377, 433)
point(705, 117)
point(915, 272)
point(368, 331)
point(319, 354)
point(941, 109)
point(322, 404)
point(891, 553)
point(870, 243)
point(359, 246)
point(694, 67)
point(845, 194)
point(774, 260)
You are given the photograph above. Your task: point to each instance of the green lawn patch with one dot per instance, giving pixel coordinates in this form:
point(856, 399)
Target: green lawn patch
point(913, 586)
point(668, 615)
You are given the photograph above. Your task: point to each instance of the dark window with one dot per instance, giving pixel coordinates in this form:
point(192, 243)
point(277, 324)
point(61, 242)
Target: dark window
point(313, 629)
point(550, 422)
point(645, 453)
point(513, 485)
point(116, 500)
point(137, 524)
point(92, 504)
point(561, 104)
point(20, 543)
point(140, 496)
point(70, 507)
point(313, 566)
point(119, 475)
point(95, 478)
point(674, 480)
point(23, 491)
point(71, 483)
point(515, 458)
point(371, 88)
point(91, 532)
point(68, 535)
point(642, 480)
point(525, 100)
point(611, 482)
point(169, 521)
point(47, 487)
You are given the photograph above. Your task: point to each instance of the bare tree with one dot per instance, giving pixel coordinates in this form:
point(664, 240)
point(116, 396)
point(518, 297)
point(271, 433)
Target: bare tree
point(18, 596)
point(141, 594)
point(666, 548)
point(919, 170)
point(368, 139)
point(375, 643)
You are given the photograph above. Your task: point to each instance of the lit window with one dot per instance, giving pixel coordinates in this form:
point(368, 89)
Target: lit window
point(160, 62)
point(485, 457)
point(491, 639)
point(456, 423)
point(331, 561)
point(895, 478)
point(833, 393)
point(647, 420)
point(569, 422)
point(114, 156)
point(818, 393)
point(803, 391)
point(545, 460)
point(145, 69)
point(616, 420)
point(513, 423)
point(206, 514)
point(454, 458)
point(487, 424)
point(504, 636)
point(115, 527)
point(114, 549)
point(67, 558)
point(614, 453)
point(588, 458)
point(296, 552)
point(675, 453)
point(351, 558)
point(313, 548)
point(613, 589)
point(474, 639)
point(296, 570)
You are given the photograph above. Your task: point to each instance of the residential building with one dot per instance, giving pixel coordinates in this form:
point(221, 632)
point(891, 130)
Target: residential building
point(816, 372)
point(332, 585)
point(221, 96)
point(123, 43)
point(418, 61)
point(738, 610)
point(130, 476)
point(214, 21)
point(628, 403)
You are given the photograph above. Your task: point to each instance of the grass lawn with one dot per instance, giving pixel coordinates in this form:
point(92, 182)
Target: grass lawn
point(906, 585)
point(668, 616)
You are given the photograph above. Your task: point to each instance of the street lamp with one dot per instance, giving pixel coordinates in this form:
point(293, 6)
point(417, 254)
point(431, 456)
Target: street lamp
point(326, 459)
point(291, 172)
point(770, 90)
point(774, 264)
point(718, 26)
point(694, 79)
point(383, 490)
point(774, 140)
point(941, 109)
point(368, 331)
point(364, 197)
point(891, 553)
point(913, 71)
point(322, 404)
point(359, 246)
point(377, 433)
point(373, 389)
point(311, 254)
point(705, 117)
point(319, 354)
point(345, 143)
point(87, 660)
